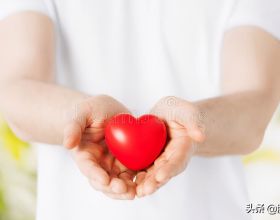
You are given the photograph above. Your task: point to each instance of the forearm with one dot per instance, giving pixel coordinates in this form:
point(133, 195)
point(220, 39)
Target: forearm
point(36, 110)
point(234, 124)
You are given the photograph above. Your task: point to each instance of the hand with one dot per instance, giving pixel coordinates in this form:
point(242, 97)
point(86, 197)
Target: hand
point(184, 131)
point(84, 134)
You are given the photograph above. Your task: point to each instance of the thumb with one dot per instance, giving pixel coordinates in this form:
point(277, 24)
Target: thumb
point(196, 134)
point(72, 134)
point(192, 119)
point(195, 128)
point(185, 115)
point(76, 123)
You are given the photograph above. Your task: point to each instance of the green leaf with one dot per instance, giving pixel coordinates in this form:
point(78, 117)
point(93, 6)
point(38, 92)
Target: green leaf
point(2, 202)
point(9, 140)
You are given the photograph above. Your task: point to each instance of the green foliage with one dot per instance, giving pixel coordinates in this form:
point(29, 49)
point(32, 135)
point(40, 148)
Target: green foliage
point(17, 177)
point(2, 201)
point(13, 144)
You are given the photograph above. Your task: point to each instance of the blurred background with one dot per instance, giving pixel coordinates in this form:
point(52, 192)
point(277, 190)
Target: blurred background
point(18, 174)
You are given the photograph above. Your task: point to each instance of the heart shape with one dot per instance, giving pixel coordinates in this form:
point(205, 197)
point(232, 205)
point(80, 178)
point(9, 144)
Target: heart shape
point(135, 142)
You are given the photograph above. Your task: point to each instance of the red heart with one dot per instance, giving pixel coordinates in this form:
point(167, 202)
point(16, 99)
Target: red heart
point(135, 142)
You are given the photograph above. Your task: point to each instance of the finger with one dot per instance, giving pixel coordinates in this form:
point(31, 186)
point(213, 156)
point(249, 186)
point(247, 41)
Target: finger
point(183, 128)
point(107, 163)
point(140, 177)
point(176, 161)
point(95, 172)
point(171, 162)
point(147, 186)
point(161, 159)
point(118, 186)
point(131, 191)
point(77, 122)
point(139, 182)
point(146, 183)
point(72, 135)
point(87, 150)
point(88, 164)
point(166, 172)
point(150, 185)
point(172, 109)
point(99, 187)
point(122, 184)
point(93, 134)
point(121, 167)
point(129, 195)
point(139, 191)
point(196, 134)
point(193, 125)
point(127, 177)
point(118, 168)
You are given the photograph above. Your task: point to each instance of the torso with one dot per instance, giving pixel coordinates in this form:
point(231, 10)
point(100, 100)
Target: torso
point(139, 51)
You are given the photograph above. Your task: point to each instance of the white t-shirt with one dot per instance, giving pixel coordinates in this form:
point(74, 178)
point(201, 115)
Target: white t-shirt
point(139, 51)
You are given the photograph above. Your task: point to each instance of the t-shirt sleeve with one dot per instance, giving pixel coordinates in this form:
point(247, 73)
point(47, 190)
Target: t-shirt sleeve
point(264, 14)
point(8, 7)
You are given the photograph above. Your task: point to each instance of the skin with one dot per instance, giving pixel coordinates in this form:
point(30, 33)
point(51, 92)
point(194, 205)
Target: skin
point(27, 63)
point(233, 123)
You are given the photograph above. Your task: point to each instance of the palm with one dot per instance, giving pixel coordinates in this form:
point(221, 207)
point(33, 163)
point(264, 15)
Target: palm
point(84, 134)
point(170, 163)
point(104, 172)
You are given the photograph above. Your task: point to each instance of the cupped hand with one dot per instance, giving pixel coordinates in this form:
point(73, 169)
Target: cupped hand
point(185, 130)
point(84, 135)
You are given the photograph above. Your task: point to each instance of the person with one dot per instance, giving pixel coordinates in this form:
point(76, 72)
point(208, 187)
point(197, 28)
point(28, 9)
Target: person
point(209, 69)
